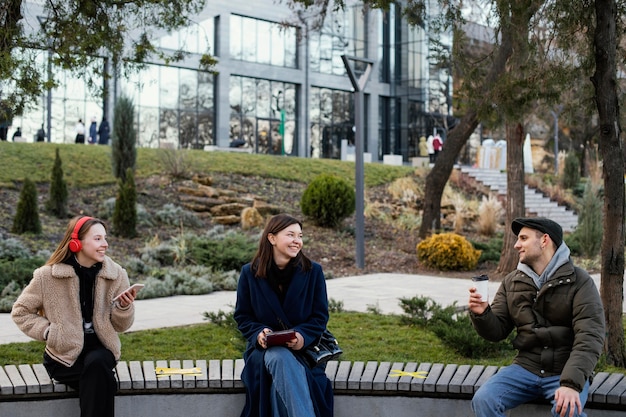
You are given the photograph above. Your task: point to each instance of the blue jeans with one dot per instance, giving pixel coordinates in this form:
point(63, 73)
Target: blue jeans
point(290, 390)
point(512, 386)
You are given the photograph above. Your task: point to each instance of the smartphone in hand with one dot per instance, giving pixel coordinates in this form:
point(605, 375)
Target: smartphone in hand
point(134, 286)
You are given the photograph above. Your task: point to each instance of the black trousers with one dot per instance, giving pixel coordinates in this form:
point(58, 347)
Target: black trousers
point(92, 376)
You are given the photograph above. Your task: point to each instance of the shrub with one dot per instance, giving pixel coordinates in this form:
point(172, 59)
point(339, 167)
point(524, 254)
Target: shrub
point(123, 150)
point(125, 214)
point(175, 162)
point(418, 310)
point(456, 331)
point(174, 215)
point(452, 326)
point(229, 252)
point(490, 212)
point(448, 252)
point(490, 250)
point(19, 270)
point(27, 216)
point(328, 200)
point(587, 238)
point(571, 171)
point(11, 248)
point(57, 201)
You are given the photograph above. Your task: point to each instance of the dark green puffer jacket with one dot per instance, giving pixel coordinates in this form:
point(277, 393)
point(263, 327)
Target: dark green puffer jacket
point(560, 329)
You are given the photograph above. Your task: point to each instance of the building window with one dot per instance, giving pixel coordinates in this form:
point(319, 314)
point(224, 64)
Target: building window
point(263, 42)
point(332, 120)
point(343, 33)
point(175, 107)
point(196, 38)
point(263, 115)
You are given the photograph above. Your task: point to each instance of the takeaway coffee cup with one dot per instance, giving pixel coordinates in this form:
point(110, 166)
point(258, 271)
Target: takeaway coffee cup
point(481, 283)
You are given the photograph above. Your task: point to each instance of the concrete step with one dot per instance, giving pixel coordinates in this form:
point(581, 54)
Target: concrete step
point(536, 203)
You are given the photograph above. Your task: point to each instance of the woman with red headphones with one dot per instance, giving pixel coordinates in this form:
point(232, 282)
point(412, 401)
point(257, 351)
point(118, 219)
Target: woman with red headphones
point(70, 304)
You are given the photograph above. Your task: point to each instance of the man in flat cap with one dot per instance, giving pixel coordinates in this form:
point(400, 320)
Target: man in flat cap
point(557, 312)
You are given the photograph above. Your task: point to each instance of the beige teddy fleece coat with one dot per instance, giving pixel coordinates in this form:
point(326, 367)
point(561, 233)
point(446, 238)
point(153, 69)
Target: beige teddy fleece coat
point(49, 309)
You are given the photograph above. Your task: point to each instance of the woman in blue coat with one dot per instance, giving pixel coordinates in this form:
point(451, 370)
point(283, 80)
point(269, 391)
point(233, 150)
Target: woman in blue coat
point(282, 289)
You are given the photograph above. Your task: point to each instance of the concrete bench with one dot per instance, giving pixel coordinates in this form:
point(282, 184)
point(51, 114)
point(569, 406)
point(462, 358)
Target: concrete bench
point(361, 389)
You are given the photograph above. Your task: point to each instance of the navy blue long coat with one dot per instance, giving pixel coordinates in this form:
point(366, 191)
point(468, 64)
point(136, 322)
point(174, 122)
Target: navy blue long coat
point(305, 309)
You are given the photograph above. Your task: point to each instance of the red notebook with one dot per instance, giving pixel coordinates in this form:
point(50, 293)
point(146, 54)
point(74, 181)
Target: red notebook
point(280, 337)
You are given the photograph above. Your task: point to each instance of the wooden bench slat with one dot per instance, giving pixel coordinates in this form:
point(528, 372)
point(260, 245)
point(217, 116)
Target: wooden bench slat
point(331, 371)
point(149, 375)
point(32, 385)
point(341, 377)
point(458, 378)
point(239, 365)
point(123, 376)
point(417, 384)
point(446, 376)
point(202, 381)
point(136, 375)
point(469, 383)
point(228, 373)
point(598, 380)
point(600, 394)
point(381, 376)
point(162, 381)
point(391, 382)
point(487, 373)
point(367, 379)
point(404, 384)
point(45, 382)
point(354, 379)
point(19, 386)
point(215, 373)
point(616, 394)
point(6, 387)
point(430, 383)
point(189, 381)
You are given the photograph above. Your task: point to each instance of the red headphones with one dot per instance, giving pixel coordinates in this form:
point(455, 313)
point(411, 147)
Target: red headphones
point(75, 244)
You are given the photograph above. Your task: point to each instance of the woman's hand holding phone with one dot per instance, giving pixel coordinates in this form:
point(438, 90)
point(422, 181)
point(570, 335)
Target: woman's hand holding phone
point(126, 297)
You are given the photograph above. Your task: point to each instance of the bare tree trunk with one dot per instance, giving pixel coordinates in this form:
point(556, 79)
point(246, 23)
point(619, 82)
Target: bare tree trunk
point(611, 149)
point(439, 174)
point(515, 195)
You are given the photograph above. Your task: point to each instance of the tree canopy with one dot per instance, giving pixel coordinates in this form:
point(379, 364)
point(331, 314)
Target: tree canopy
point(79, 34)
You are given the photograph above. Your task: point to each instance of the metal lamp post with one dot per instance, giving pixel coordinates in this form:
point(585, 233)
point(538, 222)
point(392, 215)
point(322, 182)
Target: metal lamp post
point(359, 137)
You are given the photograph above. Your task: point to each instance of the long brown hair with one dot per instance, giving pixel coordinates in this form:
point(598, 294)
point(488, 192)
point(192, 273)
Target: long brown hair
point(62, 252)
point(264, 255)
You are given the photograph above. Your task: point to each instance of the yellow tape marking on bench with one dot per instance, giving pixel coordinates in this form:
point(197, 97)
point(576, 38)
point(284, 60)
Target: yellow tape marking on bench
point(177, 371)
point(416, 374)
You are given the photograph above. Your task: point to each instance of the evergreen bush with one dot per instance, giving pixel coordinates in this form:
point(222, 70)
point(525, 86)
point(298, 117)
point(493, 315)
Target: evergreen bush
point(448, 252)
point(27, 216)
point(588, 233)
point(57, 201)
point(229, 252)
point(328, 200)
point(125, 213)
point(571, 171)
point(123, 140)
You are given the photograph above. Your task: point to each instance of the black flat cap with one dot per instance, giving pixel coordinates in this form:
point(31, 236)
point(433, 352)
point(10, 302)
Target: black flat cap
point(550, 227)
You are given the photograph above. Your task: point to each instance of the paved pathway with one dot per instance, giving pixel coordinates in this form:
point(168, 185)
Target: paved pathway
point(359, 293)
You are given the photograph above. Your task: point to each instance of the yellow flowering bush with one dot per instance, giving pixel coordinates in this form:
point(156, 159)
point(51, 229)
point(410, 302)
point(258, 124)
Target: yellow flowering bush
point(448, 252)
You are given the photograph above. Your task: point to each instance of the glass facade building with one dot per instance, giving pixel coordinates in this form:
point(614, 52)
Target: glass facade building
point(280, 85)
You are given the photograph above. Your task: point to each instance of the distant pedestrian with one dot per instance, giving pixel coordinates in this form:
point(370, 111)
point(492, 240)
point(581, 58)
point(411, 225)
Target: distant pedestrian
point(437, 146)
point(93, 132)
point(423, 147)
point(80, 132)
point(17, 134)
point(103, 132)
point(41, 135)
point(431, 149)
